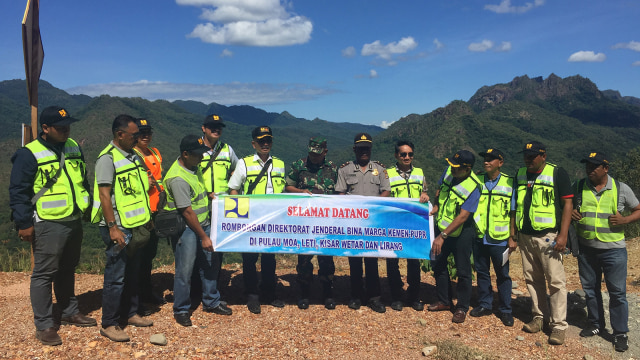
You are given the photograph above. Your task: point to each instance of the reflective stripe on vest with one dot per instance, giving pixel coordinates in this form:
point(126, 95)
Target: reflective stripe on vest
point(542, 211)
point(406, 188)
point(277, 175)
point(595, 215)
point(129, 188)
point(450, 199)
point(492, 216)
point(217, 175)
point(199, 198)
point(68, 193)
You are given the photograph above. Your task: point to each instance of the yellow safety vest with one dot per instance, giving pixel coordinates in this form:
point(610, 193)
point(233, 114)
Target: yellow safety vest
point(130, 188)
point(595, 214)
point(492, 216)
point(542, 211)
point(254, 168)
point(68, 192)
point(452, 197)
point(217, 175)
point(406, 188)
point(199, 198)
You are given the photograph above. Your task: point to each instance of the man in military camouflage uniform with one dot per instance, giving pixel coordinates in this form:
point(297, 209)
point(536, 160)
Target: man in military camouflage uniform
point(368, 178)
point(314, 175)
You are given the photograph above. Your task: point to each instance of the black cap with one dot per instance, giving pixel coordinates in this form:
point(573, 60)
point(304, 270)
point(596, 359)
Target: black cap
point(493, 153)
point(462, 158)
point(194, 144)
point(261, 132)
point(213, 120)
point(363, 140)
point(534, 148)
point(55, 115)
point(595, 158)
point(143, 125)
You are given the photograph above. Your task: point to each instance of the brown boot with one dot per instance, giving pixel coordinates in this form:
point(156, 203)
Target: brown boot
point(533, 326)
point(556, 337)
point(138, 321)
point(49, 336)
point(114, 333)
point(79, 320)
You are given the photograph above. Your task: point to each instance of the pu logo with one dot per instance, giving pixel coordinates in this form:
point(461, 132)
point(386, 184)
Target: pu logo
point(143, 122)
point(62, 112)
point(489, 151)
point(592, 155)
point(200, 141)
point(529, 146)
point(236, 207)
point(264, 129)
point(216, 117)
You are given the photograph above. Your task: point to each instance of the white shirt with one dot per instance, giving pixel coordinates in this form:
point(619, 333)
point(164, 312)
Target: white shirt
point(240, 175)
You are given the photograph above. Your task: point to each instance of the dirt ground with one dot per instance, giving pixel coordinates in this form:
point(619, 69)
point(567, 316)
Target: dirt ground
point(315, 333)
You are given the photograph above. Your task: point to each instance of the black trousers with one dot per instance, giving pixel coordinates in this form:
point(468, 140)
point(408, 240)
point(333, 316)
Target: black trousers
point(326, 272)
point(371, 275)
point(268, 284)
point(413, 279)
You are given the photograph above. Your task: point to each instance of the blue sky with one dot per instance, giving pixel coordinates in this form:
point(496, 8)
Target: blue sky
point(365, 61)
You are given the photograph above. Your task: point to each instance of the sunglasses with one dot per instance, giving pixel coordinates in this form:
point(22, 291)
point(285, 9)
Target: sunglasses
point(405, 154)
point(146, 133)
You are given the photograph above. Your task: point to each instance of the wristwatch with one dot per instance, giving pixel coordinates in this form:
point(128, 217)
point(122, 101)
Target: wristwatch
point(111, 224)
point(444, 235)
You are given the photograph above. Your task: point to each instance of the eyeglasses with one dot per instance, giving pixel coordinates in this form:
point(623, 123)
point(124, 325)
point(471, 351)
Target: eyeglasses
point(146, 133)
point(215, 128)
point(405, 154)
point(266, 140)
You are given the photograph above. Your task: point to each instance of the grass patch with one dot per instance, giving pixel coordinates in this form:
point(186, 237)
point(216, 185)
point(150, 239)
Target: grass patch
point(455, 350)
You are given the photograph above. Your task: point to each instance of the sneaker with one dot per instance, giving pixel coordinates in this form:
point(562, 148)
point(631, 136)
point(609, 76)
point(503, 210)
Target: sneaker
point(480, 311)
point(138, 321)
point(590, 331)
point(533, 326)
point(114, 333)
point(329, 303)
point(183, 319)
point(303, 304)
point(506, 318)
point(621, 342)
point(49, 336)
point(397, 305)
point(377, 306)
point(220, 309)
point(253, 304)
point(556, 337)
point(355, 304)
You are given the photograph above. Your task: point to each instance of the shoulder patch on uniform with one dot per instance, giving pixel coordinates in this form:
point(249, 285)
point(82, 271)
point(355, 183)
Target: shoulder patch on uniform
point(345, 164)
point(379, 163)
point(386, 174)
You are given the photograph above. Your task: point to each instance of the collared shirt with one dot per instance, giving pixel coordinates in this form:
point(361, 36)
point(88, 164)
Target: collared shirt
point(372, 182)
point(319, 179)
point(406, 174)
point(471, 204)
point(240, 175)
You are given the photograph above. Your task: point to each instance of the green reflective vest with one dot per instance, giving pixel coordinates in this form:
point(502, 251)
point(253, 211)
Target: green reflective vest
point(406, 188)
point(199, 198)
point(254, 168)
point(452, 197)
point(217, 175)
point(595, 214)
point(542, 211)
point(130, 188)
point(492, 216)
point(68, 192)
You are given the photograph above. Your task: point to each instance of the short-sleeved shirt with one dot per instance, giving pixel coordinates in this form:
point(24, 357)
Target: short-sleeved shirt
point(105, 175)
point(627, 200)
point(351, 180)
point(319, 179)
point(563, 189)
point(240, 175)
point(182, 193)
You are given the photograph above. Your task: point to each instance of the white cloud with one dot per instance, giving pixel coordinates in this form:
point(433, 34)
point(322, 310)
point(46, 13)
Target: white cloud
point(504, 47)
point(349, 52)
point(632, 45)
point(249, 23)
point(226, 53)
point(228, 94)
point(505, 7)
point(386, 124)
point(587, 56)
point(373, 74)
point(481, 46)
point(438, 44)
point(636, 63)
point(387, 51)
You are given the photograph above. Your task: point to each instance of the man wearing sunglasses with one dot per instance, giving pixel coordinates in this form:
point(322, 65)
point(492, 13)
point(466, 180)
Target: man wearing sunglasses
point(47, 201)
point(121, 207)
point(407, 181)
point(249, 178)
point(367, 178)
point(543, 204)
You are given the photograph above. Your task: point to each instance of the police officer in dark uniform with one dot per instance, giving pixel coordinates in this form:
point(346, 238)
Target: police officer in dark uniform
point(314, 175)
point(368, 178)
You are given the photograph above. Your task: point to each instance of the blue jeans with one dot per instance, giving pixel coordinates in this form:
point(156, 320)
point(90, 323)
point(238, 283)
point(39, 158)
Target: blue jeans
point(592, 264)
point(189, 252)
point(483, 256)
point(120, 289)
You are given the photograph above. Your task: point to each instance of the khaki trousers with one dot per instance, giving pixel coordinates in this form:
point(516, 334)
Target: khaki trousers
point(542, 265)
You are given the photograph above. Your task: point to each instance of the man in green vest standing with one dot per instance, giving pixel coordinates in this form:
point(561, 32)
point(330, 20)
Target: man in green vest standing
point(186, 193)
point(259, 174)
point(48, 193)
point(121, 207)
point(407, 181)
point(543, 203)
point(457, 199)
point(492, 232)
point(599, 201)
